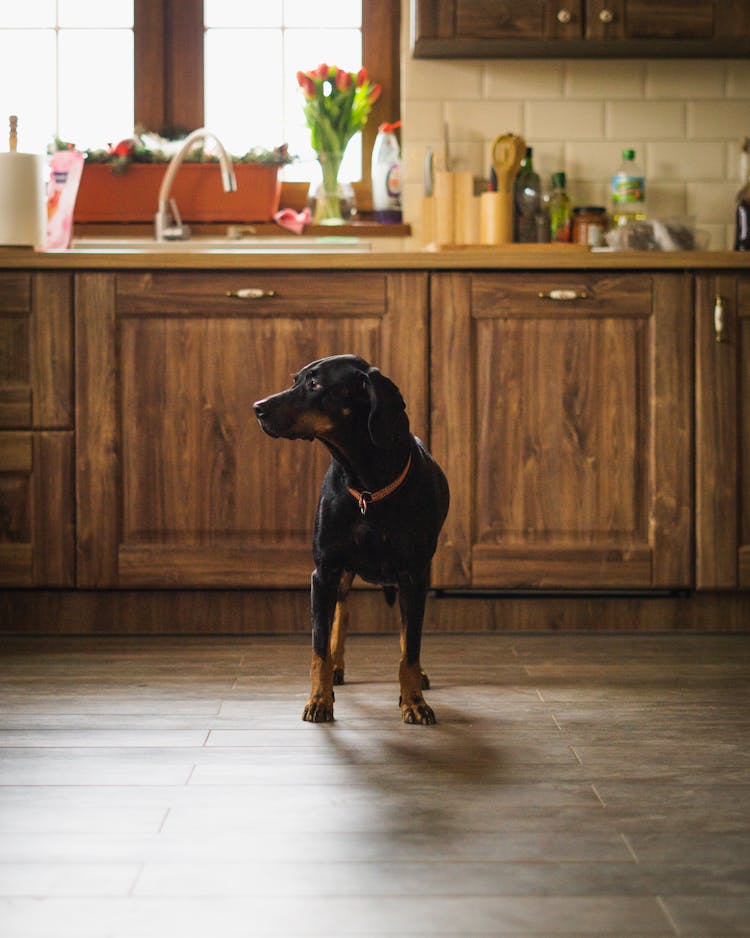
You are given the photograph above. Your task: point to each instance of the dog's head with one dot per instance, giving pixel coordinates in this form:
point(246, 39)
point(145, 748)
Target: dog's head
point(332, 396)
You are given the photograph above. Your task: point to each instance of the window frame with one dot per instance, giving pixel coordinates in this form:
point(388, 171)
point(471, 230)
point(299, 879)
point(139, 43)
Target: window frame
point(169, 65)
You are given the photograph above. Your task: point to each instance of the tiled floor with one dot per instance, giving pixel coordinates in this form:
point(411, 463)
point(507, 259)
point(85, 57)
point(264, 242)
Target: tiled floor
point(574, 785)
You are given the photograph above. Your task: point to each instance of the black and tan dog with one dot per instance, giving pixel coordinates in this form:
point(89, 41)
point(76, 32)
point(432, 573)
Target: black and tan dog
point(382, 504)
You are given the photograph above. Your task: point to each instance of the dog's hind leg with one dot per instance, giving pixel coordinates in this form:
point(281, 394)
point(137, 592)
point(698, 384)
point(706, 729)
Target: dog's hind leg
point(340, 627)
point(324, 591)
point(414, 708)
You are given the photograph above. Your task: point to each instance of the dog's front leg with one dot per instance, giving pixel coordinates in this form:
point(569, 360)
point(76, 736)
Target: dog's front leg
point(411, 596)
point(340, 627)
point(324, 592)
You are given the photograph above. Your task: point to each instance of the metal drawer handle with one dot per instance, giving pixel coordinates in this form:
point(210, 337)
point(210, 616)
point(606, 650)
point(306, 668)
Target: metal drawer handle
point(250, 293)
point(564, 295)
point(606, 16)
point(719, 318)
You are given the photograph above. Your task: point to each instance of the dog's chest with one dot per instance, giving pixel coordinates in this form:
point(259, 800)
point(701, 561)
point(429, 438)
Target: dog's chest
point(378, 551)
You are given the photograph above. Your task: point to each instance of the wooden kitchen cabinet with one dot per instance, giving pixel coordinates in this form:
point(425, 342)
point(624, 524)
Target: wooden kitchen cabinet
point(561, 413)
point(36, 439)
point(574, 28)
point(722, 431)
point(177, 485)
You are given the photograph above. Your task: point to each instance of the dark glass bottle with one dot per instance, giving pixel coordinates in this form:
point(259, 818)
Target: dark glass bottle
point(742, 212)
point(742, 219)
point(527, 201)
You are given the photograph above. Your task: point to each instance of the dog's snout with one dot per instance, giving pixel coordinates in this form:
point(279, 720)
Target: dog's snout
point(259, 408)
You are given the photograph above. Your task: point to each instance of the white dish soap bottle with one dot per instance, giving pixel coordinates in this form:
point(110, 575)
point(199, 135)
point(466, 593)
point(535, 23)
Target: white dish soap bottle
point(386, 175)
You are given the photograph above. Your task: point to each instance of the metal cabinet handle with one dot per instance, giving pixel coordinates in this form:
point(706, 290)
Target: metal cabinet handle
point(563, 295)
point(606, 16)
point(719, 318)
point(564, 16)
point(250, 293)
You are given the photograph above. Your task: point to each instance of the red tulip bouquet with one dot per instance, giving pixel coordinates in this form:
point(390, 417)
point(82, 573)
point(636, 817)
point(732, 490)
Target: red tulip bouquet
point(337, 104)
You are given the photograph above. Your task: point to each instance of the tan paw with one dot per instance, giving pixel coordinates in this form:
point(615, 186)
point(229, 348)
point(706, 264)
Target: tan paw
point(318, 710)
point(416, 710)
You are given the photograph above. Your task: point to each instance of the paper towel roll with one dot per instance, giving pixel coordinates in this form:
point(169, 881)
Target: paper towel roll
point(22, 199)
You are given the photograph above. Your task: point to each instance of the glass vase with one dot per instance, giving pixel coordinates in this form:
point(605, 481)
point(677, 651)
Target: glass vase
point(328, 202)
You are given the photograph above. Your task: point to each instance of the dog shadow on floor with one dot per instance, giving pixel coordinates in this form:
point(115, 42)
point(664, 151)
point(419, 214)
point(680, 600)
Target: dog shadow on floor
point(425, 780)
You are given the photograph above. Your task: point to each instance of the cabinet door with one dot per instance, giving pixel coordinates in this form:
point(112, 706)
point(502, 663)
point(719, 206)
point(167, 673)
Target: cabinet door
point(35, 350)
point(464, 24)
point(678, 20)
point(177, 484)
point(561, 413)
point(36, 509)
point(722, 429)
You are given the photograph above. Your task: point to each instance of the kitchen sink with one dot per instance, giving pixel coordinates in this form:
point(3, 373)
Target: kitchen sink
point(252, 245)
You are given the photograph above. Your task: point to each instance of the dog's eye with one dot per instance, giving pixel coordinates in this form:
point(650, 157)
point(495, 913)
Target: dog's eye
point(313, 384)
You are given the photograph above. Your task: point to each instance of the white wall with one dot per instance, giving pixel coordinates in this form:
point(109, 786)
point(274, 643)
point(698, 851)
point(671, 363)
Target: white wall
point(684, 118)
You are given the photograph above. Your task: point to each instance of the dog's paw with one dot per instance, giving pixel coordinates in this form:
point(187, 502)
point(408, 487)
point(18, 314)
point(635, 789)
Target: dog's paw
point(425, 681)
point(338, 676)
point(417, 710)
point(318, 710)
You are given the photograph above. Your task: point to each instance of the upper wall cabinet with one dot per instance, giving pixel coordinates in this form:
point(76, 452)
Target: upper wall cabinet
point(577, 28)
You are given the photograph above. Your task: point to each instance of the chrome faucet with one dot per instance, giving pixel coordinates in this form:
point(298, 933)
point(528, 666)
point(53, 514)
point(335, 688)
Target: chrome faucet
point(168, 225)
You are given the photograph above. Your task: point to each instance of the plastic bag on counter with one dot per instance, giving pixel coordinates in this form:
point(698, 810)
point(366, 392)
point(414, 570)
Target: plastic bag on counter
point(657, 234)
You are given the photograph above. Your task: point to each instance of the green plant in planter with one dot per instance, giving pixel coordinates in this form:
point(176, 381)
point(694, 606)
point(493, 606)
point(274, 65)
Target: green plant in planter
point(146, 147)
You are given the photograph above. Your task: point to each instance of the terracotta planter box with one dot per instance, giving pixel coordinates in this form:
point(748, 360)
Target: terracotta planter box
point(133, 195)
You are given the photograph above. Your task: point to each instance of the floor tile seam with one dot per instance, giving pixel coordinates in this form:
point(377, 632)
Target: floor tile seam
point(668, 915)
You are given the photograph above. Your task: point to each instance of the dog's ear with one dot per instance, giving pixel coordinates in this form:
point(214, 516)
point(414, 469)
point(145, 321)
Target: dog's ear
point(388, 420)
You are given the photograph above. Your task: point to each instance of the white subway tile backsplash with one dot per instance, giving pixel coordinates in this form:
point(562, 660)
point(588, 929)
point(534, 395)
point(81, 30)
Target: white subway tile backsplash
point(582, 192)
point(718, 119)
point(665, 199)
point(475, 121)
point(564, 120)
point(711, 202)
point(688, 162)
point(685, 78)
point(595, 79)
point(442, 79)
point(596, 159)
point(738, 78)
point(425, 120)
point(523, 79)
point(656, 120)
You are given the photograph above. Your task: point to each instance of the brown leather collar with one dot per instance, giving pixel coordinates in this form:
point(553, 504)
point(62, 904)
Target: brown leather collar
point(364, 499)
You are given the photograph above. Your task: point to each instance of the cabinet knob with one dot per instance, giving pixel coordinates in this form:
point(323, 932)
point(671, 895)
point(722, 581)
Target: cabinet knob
point(606, 16)
point(250, 293)
point(564, 16)
point(719, 318)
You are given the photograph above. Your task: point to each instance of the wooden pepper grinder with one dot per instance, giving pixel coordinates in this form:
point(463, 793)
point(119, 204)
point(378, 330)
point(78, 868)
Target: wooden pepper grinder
point(13, 138)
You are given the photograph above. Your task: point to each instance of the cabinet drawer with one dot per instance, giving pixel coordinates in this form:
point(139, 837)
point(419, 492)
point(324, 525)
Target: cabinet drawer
point(545, 295)
point(269, 293)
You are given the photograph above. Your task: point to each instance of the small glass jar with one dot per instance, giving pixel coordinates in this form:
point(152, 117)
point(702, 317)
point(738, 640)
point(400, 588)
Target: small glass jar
point(589, 225)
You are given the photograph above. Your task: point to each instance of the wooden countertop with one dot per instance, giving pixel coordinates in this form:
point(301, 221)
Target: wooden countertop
point(508, 257)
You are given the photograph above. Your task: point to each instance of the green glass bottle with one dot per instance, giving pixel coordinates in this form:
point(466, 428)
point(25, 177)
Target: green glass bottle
point(560, 212)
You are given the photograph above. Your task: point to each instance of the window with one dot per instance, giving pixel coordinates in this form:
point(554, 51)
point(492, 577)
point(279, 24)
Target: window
point(66, 68)
point(87, 70)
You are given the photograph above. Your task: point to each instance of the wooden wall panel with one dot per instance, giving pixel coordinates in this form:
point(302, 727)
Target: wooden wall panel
point(452, 420)
point(97, 450)
point(52, 350)
point(670, 393)
point(716, 426)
